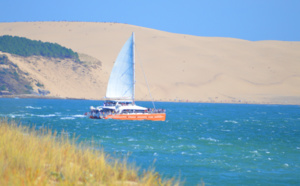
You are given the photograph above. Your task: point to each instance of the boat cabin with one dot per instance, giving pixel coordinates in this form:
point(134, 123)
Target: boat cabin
point(117, 102)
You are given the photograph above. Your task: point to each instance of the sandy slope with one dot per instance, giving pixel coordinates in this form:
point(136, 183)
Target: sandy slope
point(63, 78)
point(178, 67)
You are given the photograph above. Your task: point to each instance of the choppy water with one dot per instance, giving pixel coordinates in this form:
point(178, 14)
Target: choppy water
point(221, 144)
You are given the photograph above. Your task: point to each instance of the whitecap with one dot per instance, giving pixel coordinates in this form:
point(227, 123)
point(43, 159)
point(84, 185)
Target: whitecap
point(46, 116)
point(78, 116)
point(231, 121)
point(149, 147)
point(254, 152)
point(192, 146)
point(131, 139)
point(67, 118)
point(136, 146)
point(31, 107)
point(16, 115)
point(209, 139)
point(155, 154)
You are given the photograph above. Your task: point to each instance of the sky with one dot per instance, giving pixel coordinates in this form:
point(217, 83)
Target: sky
point(252, 20)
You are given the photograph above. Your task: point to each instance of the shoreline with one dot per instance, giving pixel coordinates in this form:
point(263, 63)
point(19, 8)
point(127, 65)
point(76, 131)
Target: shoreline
point(29, 96)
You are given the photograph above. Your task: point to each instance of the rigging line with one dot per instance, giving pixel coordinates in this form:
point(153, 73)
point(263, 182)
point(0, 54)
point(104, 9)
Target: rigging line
point(141, 65)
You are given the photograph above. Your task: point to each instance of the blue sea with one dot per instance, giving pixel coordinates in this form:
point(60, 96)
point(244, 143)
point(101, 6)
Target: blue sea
point(219, 144)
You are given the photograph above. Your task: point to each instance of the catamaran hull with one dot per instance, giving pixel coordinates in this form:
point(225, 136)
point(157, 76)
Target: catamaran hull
point(153, 117)
point(95, 117)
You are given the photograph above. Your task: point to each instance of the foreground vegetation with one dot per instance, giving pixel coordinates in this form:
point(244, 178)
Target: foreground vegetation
point(31, 157)
point(26, 47)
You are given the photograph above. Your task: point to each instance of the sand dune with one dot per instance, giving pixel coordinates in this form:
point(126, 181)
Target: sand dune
point(178, 67)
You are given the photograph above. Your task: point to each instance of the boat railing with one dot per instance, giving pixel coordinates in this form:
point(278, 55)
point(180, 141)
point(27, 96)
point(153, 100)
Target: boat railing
point(101, 114)
point(156, 111)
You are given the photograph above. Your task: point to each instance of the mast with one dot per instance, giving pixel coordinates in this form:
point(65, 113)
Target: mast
point(133, 66)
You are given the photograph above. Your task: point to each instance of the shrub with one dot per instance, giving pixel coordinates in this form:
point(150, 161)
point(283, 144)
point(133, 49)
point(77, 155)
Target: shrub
point(26, 47)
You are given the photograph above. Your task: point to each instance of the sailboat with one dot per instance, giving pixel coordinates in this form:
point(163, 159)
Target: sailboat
point(120, 94)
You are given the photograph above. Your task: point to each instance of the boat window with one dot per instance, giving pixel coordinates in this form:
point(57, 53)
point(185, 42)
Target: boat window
point(107, 110)
point(124, 103)
point(125, 111)
point(139, 111)
point(110, 103)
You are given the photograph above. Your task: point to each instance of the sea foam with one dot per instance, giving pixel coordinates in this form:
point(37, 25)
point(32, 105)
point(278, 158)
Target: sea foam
point(67, 118)
point(31, 107)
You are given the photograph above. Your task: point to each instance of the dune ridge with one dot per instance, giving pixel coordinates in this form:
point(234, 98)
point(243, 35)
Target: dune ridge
point(178, 67)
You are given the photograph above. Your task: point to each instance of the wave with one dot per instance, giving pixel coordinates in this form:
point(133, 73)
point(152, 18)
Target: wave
point(67, 118)
point(16, 115)
point(225, 130)
point(46, 116)
point(31, 107)
point(209, 139)
point(132, 139)
point(78, 116)
point(231, 121)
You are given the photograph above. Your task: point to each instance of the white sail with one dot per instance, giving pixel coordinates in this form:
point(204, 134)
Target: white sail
point(121, 80)
point(120, 92)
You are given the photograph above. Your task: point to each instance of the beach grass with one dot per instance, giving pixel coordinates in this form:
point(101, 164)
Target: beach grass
point(42, 157)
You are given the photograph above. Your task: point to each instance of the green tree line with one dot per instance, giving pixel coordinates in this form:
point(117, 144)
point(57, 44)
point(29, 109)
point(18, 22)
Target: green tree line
point(26, 47)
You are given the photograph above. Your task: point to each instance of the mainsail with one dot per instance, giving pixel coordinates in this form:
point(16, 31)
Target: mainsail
point(121, 80)
point(120, 92)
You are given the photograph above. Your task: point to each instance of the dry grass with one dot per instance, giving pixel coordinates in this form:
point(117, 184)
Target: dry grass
point(31, 157)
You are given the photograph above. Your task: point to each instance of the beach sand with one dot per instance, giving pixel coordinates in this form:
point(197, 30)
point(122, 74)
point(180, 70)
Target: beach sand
point(178, 67)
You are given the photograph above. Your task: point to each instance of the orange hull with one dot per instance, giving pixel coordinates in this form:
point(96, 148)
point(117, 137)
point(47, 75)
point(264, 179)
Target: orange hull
point(153, 117)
